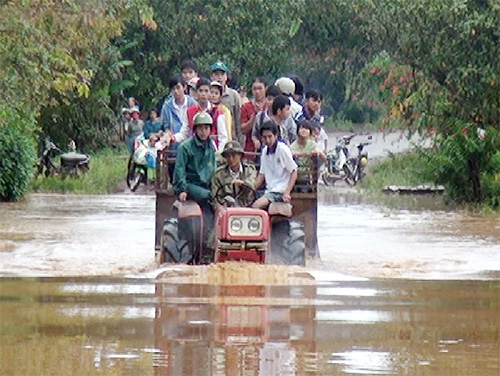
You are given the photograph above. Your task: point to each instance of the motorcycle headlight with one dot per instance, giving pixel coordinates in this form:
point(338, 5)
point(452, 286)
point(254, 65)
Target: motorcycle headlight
point(363, 161)
point(236, 224)
point(254, 225)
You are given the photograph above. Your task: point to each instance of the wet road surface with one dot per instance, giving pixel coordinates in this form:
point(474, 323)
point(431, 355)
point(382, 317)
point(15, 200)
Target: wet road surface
point(64, 235)
point(408, 288)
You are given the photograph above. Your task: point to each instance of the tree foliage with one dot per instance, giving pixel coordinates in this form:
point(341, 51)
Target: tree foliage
point(17, 152)
point(45, 50)
point(451, 51)
point(252, 37)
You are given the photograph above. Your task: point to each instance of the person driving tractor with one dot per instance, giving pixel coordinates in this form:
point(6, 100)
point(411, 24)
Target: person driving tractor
point(194, 169)
point(235, 178)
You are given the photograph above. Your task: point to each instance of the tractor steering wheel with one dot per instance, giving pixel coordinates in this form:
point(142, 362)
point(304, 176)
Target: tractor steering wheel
point(243, 189)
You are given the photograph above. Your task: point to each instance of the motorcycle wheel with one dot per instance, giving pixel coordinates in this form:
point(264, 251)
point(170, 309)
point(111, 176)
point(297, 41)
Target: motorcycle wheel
point(135, 175)
point(328, 179)
point(350, 170)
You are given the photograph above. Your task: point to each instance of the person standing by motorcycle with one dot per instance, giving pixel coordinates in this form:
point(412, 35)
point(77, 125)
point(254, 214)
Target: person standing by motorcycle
point(234, 178)
point(134, 128)
point(277, 168)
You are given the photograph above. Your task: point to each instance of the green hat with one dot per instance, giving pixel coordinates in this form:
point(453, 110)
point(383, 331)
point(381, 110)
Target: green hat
point(202, 118)
point(219, 65)
point(232, 147)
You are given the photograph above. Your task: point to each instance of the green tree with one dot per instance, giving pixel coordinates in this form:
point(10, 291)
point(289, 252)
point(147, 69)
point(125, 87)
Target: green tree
point(45, 48)
point(253, 37)
point(453, 48)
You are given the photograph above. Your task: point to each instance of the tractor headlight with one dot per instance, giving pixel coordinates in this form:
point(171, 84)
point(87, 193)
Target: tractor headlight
point(254, 225)
point(236, 225)
point(245, 225)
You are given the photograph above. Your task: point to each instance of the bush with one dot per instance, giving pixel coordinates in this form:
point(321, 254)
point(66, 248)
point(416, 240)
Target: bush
point(17, 155)
point(358, 112)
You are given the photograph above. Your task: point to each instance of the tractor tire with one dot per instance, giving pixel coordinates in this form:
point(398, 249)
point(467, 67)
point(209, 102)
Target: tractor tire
point(173, 249)
point(288, 245)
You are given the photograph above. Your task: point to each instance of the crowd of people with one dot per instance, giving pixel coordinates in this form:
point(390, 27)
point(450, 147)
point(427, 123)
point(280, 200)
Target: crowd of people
point(204, 119)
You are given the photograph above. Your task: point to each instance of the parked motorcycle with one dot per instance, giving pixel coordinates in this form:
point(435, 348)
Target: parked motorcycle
point(354, 167)
point(336, 159)
point(340, 166)
point(71, 163)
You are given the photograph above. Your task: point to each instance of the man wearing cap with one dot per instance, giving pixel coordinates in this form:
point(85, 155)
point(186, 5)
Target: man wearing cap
point(230, 97)
point(287, 87)
point(234, 178)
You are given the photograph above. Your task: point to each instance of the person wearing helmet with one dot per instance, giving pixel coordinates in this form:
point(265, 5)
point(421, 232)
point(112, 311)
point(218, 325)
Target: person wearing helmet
point(195, 162)
point(194, 168)
point(287, 87)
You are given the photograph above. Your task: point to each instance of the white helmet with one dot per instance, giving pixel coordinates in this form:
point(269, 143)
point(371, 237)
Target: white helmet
point(286, 85)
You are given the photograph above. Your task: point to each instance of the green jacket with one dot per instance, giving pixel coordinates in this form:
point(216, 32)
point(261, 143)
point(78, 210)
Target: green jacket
point(223, 178)
point(195, 165)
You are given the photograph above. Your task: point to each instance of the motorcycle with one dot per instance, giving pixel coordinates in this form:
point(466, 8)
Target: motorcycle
point(143, 159)
point(336, 159)
point(354, 167)
point(340, 166)
point(71, 164)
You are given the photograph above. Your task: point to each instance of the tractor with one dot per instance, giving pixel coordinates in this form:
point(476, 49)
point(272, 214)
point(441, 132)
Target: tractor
point(283, 234)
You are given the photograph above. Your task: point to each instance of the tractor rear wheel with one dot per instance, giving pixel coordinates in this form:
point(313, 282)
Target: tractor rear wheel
point(173, 249)
point(288, 245)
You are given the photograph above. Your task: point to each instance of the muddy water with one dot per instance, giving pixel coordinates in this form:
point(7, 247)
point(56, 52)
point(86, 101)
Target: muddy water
point(164, 326)
point(408, 288)
point(58, 235)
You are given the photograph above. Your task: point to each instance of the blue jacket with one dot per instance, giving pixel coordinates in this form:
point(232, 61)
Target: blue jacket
point(169, 116)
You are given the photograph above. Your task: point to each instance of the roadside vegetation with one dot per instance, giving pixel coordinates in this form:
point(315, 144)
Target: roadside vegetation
point(108, 168)
point(428, 66)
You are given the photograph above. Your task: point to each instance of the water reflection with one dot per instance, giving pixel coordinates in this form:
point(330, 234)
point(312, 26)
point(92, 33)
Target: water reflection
point(157, 327)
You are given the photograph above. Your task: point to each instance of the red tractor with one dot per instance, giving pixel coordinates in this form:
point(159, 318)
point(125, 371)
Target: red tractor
point(275, 236)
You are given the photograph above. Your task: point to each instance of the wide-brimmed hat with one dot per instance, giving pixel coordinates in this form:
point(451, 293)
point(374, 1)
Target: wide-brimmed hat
point(135, 110)
point(232, 147)
point(219, 65)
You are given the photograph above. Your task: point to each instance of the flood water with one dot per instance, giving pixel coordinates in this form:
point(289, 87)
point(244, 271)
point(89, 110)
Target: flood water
point(404, 289)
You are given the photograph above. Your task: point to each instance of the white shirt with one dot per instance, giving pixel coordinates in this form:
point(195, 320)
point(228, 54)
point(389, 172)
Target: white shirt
point(181, 112)
point(322, 140)
point(295, 107)
point(277, 168)
point(221, 133)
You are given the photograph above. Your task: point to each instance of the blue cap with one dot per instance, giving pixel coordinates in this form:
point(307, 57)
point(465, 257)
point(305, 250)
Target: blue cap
point(219, 65)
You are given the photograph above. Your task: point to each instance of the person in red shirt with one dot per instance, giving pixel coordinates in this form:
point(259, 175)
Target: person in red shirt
point(250, 109)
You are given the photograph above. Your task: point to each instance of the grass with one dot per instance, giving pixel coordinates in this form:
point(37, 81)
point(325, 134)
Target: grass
point(398, 169)
point(108, 168)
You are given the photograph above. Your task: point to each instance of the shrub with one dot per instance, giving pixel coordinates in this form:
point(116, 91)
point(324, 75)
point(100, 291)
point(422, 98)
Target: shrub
point(17, 154)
